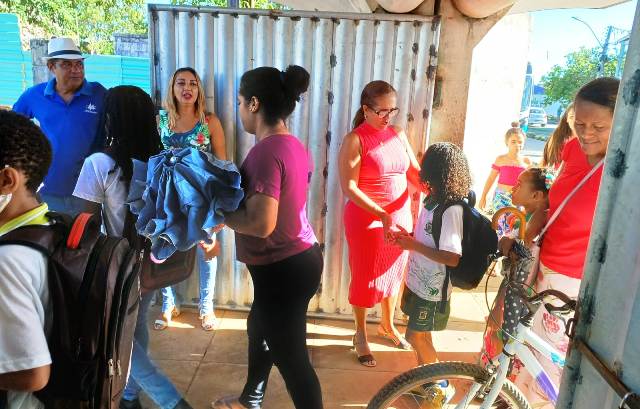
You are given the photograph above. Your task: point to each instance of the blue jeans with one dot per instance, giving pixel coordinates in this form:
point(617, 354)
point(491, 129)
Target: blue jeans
point(70, 205)
point(144, 374)
point(207, 270)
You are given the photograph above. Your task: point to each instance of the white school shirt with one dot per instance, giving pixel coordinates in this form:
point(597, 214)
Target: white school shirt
point(425, 277)
point(100, 182)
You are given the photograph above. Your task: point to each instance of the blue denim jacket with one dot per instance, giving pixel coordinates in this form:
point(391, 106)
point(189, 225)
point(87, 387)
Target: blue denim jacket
point(179, 196)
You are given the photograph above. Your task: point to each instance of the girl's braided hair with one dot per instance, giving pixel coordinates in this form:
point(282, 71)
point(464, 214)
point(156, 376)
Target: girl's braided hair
point(24, 147)
point(445, 168)
point(542, 178)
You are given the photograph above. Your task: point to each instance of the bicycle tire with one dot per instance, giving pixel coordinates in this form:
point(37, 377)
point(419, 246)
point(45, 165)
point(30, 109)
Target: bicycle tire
point(443, 371)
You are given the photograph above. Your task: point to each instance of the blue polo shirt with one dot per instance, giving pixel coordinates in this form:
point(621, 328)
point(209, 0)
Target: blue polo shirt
point(70, 127)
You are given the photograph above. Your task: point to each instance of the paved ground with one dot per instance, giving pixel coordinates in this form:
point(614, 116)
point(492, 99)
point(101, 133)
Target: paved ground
point(209, 365)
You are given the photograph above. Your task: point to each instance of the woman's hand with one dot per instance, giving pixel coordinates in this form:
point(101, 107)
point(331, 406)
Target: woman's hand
point(483, 203)
point(505, 244)
point(387, 224)
point(403, 238)
point(217, 229)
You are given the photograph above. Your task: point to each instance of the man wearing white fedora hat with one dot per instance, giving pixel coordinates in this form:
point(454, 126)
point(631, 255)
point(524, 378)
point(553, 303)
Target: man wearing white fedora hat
point(67, 109)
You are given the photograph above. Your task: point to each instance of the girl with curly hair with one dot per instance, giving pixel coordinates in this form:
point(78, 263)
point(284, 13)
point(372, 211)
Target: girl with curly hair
point(445, 175)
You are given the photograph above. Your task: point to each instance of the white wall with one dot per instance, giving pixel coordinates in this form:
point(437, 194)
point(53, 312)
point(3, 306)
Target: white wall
point(497, 78)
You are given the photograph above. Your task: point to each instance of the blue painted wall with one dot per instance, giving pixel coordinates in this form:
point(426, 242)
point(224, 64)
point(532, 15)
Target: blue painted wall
point(16, 73)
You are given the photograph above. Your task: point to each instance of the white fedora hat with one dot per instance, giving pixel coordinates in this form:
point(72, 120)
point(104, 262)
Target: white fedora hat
point(63, 47)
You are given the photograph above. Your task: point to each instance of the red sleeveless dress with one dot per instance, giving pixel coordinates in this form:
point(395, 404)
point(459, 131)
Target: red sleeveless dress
point(377, 268)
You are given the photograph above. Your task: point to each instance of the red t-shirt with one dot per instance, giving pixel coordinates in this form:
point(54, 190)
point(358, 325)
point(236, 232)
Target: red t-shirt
point(278, 166)
point(564, 246)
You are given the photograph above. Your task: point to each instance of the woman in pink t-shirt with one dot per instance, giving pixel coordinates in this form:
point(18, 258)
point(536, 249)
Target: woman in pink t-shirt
point(565, 243)
point(275, 240)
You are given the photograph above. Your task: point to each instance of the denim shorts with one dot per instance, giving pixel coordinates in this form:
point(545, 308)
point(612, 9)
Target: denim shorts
point(424, 315)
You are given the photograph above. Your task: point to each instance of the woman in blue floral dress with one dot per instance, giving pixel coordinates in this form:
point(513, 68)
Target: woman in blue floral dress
point(185, 123)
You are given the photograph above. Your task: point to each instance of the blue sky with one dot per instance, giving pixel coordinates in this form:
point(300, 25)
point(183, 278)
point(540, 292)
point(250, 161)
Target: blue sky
point(555, 33)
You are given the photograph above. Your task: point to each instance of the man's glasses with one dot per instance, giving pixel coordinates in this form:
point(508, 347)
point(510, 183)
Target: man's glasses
point(383, 113)
point(68, 64)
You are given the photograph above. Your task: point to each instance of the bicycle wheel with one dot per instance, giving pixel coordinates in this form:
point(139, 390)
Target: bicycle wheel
point(409, 389)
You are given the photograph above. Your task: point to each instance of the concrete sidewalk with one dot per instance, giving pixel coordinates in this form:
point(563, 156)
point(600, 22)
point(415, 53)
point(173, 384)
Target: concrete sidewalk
point(208, 365)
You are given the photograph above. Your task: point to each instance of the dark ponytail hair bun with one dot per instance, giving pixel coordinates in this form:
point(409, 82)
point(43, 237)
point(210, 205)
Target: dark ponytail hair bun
point(295, 81)
point(278, 91)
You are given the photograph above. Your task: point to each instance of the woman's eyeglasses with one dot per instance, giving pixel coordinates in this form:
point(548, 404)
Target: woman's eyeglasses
point(383, 113)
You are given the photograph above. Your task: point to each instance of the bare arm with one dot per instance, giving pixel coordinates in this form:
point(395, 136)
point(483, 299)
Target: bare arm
point(413, 174)
point(487, 186)
point(218, 144)
point(29, 380)
point(256, 218)
point(407, 242)
point(535, 225)
point(349, 161)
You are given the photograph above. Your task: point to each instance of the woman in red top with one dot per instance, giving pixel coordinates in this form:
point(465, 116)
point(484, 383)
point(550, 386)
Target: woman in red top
point(376, 162)
point(564, 248)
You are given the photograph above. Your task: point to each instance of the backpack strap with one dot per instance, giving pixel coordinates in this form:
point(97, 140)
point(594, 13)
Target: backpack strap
point(436, 228)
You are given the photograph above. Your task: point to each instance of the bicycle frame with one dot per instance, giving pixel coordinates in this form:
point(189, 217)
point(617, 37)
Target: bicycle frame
point(520, 347)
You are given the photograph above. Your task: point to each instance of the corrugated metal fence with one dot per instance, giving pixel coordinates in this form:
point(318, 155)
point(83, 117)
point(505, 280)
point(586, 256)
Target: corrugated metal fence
point(342, 52)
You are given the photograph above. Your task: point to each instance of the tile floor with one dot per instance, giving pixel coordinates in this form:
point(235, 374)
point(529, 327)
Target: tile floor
point(208, 365)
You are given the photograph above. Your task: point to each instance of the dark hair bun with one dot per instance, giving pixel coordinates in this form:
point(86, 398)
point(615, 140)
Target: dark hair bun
point(295, 81)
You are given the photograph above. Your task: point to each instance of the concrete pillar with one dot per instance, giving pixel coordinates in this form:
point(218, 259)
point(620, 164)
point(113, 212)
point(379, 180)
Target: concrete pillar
point(458, 37)
point(39, 50)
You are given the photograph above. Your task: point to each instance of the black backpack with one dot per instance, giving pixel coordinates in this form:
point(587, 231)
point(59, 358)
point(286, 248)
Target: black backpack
point(95, 291)
point(479, 242)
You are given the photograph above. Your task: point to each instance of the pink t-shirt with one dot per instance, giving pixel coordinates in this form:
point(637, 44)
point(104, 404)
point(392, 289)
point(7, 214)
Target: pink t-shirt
point(278, 166)
point(564, 246)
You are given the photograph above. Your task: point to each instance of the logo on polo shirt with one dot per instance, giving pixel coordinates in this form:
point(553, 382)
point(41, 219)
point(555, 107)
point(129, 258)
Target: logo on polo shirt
point(91, 109)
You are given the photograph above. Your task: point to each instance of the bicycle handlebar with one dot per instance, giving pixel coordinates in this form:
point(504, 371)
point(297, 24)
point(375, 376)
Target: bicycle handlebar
point(537, 299)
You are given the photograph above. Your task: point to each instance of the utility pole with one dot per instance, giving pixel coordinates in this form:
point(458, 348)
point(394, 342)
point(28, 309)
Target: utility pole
point(233, 4)
point(622, 51)
point(603, 55)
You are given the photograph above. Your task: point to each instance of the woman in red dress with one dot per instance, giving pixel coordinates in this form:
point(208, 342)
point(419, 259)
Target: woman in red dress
point(376, 161)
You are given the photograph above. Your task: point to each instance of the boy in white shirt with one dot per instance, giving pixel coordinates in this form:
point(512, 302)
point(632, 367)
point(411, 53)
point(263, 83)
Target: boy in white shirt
point(25, 361)
point(446, 178)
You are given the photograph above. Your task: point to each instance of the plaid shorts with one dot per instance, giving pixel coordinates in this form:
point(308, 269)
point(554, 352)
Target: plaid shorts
point(424, 315)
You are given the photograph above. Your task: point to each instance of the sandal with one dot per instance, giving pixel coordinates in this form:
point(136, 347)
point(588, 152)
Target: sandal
point(363, 352)
point(230, 402)
point(398, 341)
point(162, 323)
point(209, 321)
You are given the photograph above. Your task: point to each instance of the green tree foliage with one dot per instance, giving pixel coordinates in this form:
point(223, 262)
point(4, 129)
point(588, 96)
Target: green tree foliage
point(562, 82)
point(90, 22)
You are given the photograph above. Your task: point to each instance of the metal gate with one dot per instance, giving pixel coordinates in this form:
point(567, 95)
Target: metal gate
point(342, 52)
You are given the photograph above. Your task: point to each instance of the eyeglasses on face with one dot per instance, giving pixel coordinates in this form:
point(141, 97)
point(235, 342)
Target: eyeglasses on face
point(383, 113)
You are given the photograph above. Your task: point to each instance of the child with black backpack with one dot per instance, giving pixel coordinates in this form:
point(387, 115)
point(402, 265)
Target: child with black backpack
point(128, 128)
point(25, 360)
point(446, 178)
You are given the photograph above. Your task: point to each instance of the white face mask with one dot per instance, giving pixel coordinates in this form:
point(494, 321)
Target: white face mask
point(4, 201)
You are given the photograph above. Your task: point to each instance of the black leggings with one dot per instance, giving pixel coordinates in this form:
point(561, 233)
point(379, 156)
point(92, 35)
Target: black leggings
point(277, 329)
